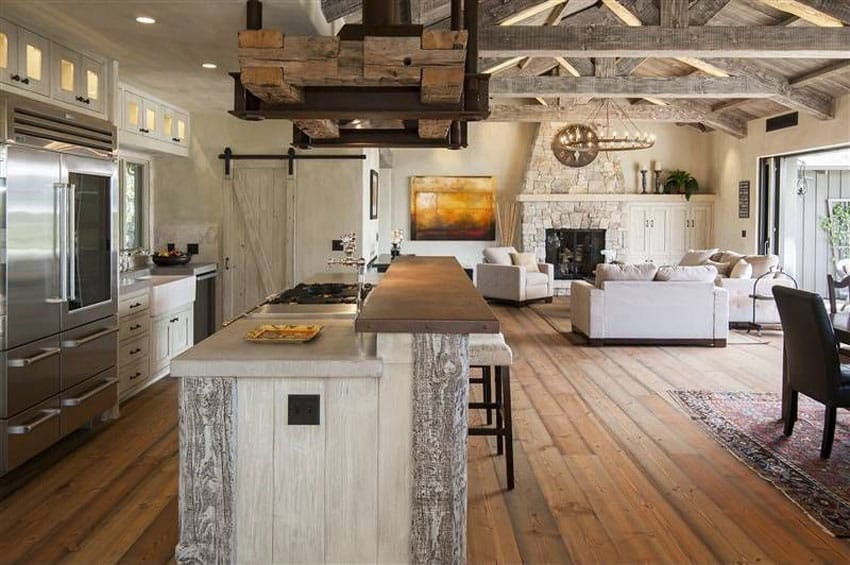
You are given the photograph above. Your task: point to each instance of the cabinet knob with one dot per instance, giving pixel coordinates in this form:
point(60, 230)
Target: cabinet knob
point(16, 78)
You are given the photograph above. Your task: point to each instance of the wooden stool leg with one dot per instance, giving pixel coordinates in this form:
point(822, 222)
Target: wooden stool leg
point(499, 392)
point(488, 391)
point(505, 376)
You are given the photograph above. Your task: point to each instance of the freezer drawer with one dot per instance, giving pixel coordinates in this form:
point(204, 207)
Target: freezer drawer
point(89, 350)
point(28, 433)
point(30, 374)
point(88, 400)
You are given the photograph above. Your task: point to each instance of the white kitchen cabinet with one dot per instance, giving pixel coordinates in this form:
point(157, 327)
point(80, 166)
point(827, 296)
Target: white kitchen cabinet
point(60, 74)
point(8, 52)
point(27, 57)
point(173, 333)
point(77, 79)
point(663, 232)
point(151, 125)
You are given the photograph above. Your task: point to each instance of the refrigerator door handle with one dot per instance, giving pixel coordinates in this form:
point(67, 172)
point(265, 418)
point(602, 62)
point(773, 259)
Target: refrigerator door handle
point(61, 245)
point(71, 245)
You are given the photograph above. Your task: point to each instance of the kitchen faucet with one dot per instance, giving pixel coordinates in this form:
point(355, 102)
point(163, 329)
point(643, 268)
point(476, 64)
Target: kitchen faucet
point(349, 248)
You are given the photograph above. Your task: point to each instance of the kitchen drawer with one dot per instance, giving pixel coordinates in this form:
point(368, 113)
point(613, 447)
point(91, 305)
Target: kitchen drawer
point(29, 433)
point(89, 350)
point(32, 375)
point(134, 326)
point(132, 351)
point(130, 305)
point(131, 376)
point(88, 400)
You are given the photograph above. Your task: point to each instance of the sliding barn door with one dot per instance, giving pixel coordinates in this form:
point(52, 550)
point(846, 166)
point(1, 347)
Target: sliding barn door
point(258, 228)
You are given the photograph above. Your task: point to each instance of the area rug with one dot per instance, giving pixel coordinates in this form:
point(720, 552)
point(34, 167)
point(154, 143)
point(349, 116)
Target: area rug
point(749, 425)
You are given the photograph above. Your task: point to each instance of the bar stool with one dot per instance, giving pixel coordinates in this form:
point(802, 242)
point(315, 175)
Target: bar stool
point(487, 351)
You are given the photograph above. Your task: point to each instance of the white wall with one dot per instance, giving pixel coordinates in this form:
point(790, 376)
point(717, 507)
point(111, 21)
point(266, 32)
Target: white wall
point(495, 148)
point(734, 160)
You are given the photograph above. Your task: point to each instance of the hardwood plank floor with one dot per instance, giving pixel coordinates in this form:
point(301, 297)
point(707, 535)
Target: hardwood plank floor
point(608, 469)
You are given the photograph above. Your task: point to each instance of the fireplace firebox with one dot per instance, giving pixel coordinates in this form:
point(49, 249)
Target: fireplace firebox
point(574, 253)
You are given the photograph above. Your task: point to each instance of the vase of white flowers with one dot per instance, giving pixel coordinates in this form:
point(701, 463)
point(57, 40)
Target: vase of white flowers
point(397, 238)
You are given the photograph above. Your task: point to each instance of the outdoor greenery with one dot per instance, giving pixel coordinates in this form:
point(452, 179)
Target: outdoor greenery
point(837, 225)
point(681, 182)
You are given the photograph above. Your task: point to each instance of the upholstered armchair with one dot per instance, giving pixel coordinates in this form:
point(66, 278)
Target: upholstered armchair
point(497, 278)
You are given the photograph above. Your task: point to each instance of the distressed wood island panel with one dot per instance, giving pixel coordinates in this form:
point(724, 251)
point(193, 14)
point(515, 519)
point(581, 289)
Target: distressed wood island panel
point(426, 295)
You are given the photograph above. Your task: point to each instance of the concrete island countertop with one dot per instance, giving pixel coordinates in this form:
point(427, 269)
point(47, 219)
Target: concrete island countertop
point(337, 352)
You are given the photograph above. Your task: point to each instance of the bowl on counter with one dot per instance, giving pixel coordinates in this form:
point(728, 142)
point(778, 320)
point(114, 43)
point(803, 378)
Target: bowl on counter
point(170, 260)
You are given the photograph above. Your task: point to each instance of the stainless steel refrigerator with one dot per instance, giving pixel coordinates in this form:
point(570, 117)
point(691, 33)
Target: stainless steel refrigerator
point(58, 275)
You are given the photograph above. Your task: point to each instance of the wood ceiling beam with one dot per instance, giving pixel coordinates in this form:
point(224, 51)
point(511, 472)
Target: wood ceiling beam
point(499, 12)
point(824, 13)
point(674, 13)
point(821, 73)
point(634, 87)
point(705, 41)
point(817, 104)
point(703, 11)
point(691, 113)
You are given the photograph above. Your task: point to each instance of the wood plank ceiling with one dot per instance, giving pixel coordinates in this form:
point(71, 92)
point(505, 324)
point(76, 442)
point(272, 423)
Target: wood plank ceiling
point(715, 64)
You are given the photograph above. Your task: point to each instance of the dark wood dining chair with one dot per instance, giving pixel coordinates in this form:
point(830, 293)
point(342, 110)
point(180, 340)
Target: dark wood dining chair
point(832, 286)
point(812, 365)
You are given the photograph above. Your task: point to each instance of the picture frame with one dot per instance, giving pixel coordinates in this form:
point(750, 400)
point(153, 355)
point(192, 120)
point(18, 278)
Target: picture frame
point(373, 194)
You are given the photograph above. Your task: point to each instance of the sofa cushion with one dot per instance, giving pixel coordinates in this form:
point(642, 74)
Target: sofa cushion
point(741, 270)
point(535, 278)
point(723, 269)
point(696, 257)
point(627, 272)
point(498, 255)
point(527, 260)
point(698, 273)
point(762, 264)
point(730, 257)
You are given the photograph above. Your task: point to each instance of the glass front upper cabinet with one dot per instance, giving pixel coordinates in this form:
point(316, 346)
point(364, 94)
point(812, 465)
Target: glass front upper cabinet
point(8, 50)
point(33, 53)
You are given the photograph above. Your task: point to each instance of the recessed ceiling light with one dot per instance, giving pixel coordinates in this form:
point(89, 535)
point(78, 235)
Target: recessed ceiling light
point(209, 66)
point(145, 20)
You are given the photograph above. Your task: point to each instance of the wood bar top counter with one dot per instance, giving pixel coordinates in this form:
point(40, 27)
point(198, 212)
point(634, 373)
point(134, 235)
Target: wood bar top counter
point(426, 295)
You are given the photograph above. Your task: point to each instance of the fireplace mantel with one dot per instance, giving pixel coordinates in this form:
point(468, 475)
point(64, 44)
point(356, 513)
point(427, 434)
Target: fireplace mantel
point(610, 197)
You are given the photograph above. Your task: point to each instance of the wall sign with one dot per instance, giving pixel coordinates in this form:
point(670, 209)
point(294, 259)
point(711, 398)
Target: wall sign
point(744, 199)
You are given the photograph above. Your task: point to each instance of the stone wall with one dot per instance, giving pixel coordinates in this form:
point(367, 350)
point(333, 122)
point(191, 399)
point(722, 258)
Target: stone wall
point(537, 217)
point(545, 174)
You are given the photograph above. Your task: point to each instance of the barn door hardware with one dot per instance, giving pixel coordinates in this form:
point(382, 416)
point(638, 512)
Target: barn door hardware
point(229, 156)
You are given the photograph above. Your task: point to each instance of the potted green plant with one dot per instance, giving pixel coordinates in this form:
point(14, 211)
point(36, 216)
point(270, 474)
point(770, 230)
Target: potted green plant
point(681, 182)
point(837, 225)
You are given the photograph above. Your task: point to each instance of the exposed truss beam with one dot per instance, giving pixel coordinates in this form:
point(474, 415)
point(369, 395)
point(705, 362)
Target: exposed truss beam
point(705, 41)
point(674, 13)
point(689, 112)
point(821, 73)
point(634, 87)
point(824, 13)
point(702, 11)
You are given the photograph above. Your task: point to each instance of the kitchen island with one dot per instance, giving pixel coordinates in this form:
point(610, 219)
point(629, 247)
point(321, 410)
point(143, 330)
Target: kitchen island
point(351, 448)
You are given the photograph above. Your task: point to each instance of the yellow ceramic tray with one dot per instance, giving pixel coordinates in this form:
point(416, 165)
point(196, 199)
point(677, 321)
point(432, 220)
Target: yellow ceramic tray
point(283, 333)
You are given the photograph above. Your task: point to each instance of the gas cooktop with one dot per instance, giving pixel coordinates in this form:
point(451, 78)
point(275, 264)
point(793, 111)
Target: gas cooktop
point(321, 293)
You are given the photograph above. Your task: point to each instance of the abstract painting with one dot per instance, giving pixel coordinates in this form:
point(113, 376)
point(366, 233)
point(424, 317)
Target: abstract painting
point(453, 208)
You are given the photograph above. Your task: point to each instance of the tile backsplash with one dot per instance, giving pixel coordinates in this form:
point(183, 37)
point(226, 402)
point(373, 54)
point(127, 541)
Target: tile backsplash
point(207, 236)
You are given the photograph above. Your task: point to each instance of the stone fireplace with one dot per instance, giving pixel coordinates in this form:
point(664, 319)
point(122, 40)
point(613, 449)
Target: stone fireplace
point(574, 253)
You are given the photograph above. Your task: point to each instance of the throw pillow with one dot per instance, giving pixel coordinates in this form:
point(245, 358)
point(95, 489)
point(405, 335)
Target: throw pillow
point(730, 257)
point(722, 268)
point(498, 255)
point(698, 273)
point(762, 264)
point(696, 257)
point(613, 272)
point(527, 260)
point(741, 270)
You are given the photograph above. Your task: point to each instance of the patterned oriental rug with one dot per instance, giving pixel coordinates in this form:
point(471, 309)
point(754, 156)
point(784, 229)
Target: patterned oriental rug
point(749, 425)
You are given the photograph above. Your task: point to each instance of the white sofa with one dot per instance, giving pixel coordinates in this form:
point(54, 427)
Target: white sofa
point(650, 312)
point(498, 279)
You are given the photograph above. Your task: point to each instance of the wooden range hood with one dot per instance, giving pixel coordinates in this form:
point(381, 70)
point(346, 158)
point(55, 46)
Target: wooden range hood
point(380, 83)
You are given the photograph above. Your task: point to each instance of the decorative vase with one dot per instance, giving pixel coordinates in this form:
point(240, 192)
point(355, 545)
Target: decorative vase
point(395, 251)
